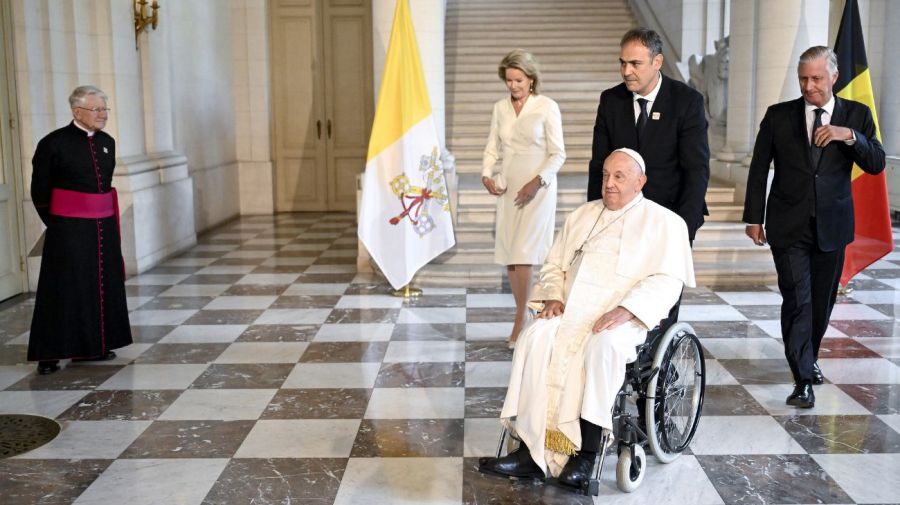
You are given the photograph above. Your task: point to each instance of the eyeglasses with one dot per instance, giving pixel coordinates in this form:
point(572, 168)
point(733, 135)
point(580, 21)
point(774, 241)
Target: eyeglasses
point(96, 110)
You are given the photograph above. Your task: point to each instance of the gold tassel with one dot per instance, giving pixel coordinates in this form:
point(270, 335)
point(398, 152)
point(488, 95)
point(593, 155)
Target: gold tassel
point(556, 441)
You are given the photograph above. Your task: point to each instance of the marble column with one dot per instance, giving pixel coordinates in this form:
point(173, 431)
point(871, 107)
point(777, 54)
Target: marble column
point(251, 106)
point(767, 38)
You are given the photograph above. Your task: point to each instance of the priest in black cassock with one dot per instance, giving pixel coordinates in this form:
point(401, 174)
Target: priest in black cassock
point(80, 311)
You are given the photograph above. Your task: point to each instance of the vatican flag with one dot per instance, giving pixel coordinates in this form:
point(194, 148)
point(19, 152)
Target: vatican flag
point(404, 217)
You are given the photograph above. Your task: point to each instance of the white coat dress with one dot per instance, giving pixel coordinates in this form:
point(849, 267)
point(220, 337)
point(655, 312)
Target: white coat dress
point(529, 144)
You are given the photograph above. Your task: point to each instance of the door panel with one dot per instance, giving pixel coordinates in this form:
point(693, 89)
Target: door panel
point(12, 278)
point(300, 173)
point(348, 79)
point(321, 100)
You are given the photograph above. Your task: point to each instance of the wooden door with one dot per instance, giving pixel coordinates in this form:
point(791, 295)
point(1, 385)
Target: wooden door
point(12, 275)
point(349, 102)
point(322, 104)
point(298, 111)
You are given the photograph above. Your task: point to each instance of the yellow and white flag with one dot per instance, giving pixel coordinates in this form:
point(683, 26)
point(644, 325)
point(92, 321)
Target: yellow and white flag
point(404, 218)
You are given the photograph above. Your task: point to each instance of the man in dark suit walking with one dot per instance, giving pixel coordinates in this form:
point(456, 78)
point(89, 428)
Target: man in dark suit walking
point(664, 121)
point(814, 142)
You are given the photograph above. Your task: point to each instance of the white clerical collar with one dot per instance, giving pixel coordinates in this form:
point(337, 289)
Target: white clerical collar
point(829, 106)
point(651, 96)
point(90, 133)
point(637, 199)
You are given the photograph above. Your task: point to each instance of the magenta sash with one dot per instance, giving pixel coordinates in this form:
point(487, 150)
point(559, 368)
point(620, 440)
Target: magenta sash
point(67, 203)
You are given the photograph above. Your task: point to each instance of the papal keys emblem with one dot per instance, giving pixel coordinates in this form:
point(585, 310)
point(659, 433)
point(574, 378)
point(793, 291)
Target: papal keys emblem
point(419, 203)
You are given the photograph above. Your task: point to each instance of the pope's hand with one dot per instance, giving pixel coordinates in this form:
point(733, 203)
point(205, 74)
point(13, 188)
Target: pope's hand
point(612, 319)
point(552, 308)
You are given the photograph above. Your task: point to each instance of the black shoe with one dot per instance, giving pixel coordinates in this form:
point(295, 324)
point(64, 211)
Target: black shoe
point(106, 357)
point(578, 470)
point(515, 464)
point(47, 367)
point(802, 397)
point(817, 378)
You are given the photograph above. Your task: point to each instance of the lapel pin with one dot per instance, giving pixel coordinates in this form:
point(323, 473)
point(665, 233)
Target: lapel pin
point(105, 150)
point(655, 116)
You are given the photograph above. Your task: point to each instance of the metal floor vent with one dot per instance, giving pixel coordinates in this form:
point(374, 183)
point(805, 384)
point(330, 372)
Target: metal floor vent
point(20, 433)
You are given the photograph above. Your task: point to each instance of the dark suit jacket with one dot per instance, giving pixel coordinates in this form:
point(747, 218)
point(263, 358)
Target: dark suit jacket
point(797, 185)
point(675, 147)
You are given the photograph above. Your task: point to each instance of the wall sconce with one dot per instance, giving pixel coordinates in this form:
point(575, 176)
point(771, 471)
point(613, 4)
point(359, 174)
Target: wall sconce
point(142, 20)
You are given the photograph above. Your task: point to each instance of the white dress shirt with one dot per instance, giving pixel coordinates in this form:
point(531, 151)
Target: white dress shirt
point(651, 97)
point(810, 110)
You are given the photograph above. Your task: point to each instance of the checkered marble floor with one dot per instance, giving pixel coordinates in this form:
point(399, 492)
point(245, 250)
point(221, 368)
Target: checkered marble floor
point(266, 370)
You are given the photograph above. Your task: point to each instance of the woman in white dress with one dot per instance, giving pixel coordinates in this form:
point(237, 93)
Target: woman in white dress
point(526, 133)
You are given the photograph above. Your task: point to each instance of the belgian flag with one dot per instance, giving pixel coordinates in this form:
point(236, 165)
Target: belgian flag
point(873, 238)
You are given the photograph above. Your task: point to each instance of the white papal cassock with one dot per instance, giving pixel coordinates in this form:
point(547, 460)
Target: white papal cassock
point(638, 257)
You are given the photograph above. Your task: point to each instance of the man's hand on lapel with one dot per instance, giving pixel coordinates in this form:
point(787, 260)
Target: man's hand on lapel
point(829, 133)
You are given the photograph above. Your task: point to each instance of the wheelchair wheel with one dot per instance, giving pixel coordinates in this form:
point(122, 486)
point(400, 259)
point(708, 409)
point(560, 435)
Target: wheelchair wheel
point(627, 478)
point(675, 393)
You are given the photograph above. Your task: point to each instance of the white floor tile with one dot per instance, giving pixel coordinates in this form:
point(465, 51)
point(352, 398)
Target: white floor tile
point(709, 313)
point(354, 332)
point(300, 438)
point(154, 482)
point(293, 316)
point(218, 404)
point(744, 348)
point(488, 331)
point(159, 317)
point(743, 435)
point(204, 334)
point(315, 289)
point(154, 377)
point(263, 352)
point(90, 440)
point(401, 481)
point(830, 400)
point(886, 347)
point(369, 302)
point(490, 300)
point(750, 297)
point(277, 279)
point(156, 279)
point(241, 303)
point(493, 374)
point(196, 290)
point(332, 375)
point(39, 403)
point(860, 371)
point(663, 484)
point(425, 351)
point(432, 315)
point(10, 374)
point(481, 437)
point(867, 478)
point(844, 311)
point(416, 403)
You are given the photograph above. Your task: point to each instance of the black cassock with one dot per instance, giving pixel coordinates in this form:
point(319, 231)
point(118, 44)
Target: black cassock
point(80, 309)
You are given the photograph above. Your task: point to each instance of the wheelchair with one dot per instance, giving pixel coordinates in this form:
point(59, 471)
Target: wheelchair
point(666, 383)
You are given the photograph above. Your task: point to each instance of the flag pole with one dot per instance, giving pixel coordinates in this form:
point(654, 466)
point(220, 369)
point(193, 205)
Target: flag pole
point(407, 292)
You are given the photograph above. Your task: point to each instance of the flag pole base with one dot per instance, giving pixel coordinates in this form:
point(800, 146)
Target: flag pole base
point(407, 292)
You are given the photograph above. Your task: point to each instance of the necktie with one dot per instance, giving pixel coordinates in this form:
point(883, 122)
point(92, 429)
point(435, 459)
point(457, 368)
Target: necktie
point(642, 118)
point(815, 152)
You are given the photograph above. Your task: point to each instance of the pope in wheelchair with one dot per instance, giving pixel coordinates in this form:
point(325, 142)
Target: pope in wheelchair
point(615, 270)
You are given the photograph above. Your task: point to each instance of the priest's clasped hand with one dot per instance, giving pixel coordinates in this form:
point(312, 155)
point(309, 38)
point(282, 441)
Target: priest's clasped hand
point(552, 308)
point(612, 319)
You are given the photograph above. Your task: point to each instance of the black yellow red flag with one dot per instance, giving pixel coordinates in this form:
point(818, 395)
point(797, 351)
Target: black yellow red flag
point(873, 238)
